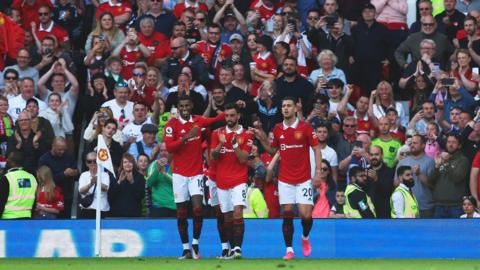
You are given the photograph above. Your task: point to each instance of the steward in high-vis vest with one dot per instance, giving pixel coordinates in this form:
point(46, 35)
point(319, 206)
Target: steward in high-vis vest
point(17, 190)
point(256, 205)
point(403, 202)
point(357, 203)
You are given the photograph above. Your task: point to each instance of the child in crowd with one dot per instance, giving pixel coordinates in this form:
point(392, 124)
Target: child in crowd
point(470, 207)
point(337, 209)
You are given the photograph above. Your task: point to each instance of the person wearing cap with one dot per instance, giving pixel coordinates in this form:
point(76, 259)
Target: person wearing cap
point(372, 44)
point(231, 19)
point(264, 66)
point(121, 107)
point(147, 144)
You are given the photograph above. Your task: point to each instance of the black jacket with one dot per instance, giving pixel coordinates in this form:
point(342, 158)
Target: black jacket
point(126, 199)
point(172, 69)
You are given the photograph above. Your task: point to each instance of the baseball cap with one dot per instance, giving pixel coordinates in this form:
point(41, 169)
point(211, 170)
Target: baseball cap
point(237, 37)
point(148, 128)
point(368, 6)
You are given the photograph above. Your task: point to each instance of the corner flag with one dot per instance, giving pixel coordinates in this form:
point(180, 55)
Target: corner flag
point(104, 159)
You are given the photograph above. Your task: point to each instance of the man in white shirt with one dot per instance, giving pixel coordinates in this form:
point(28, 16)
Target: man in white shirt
point(18, 103)
point(404, 204)
point(132, 131)
point(327, 152)
point(23, 67)
point(122, 109)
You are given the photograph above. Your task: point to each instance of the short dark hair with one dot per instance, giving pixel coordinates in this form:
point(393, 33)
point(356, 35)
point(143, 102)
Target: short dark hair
point(213, 25)
point(184, 97)
point(422, 138)
point(31, 100)
point(456, 136)
point(50, 38)
point(290, 58)
point(232, 105)
point(470, 18)
point(289, 98)
point(15, 159)
point(336, 83)
point(177, 23)
point(217, 85)
point(402, 169)
point(355, 170)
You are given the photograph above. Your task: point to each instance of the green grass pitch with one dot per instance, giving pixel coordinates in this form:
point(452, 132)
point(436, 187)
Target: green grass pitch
point(244, 264)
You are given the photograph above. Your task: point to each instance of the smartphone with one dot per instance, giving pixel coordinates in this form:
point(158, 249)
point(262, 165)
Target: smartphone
point(475, 70)
point(358, 144)
point(331, 20)
point(293, 22)
point(447, 81)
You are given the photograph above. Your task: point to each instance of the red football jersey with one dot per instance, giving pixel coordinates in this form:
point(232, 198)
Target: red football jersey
point(207, 50)
point(266, 11)
point(187, 157)
point(147, 98)
point(363, 124)
point(180, 7)
point(129, 56)
point(58, 32)
point(265, 63)
point(158, 44)
point(116, 10)
point(294, 143)
point(230, 172)
point(29, 13)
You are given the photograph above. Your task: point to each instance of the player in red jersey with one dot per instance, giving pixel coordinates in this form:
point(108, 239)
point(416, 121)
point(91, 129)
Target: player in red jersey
point(231, 146)
point(293, 138)
point(183, 140)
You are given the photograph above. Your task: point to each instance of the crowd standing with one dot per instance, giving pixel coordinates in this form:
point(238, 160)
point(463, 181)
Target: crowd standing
point(195, 97)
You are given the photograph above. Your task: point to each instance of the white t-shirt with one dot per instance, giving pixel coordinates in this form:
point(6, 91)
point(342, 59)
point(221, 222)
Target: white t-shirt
point(84, 180)
point(117, 111)
point(72, 101)
point(17, 104)
point(475, 215)
point(328, 154)
point(132, 129)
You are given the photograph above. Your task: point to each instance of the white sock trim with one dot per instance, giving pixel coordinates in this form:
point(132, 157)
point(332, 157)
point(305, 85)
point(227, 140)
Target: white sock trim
point(290, 249)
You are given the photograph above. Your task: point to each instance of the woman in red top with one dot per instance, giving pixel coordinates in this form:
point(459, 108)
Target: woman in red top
point(463, 71)
point(49, 198)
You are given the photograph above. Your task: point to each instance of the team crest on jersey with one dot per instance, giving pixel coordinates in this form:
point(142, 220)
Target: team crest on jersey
point(298, 135)
point(264, 65)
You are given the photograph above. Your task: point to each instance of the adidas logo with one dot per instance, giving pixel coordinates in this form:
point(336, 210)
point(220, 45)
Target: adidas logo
point(282, 137)
point(183, 131)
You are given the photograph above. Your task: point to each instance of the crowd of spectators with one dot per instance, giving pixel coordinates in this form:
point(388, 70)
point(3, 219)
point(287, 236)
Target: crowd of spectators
point(379, 94)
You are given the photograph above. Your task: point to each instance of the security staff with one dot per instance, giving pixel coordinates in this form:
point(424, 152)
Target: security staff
point(357, 203)
point(403, 202)
point(17, 190)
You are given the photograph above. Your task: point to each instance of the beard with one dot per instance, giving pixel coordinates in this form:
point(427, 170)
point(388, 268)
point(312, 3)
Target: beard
point(290, 74)
point(409, 183)
point(375, 162)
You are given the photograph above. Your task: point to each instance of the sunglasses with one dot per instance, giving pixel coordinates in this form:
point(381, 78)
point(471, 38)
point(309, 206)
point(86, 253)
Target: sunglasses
point(139, 74)
point(90, 161)
point(8, 78)
point(325, 169)
point(428, 24)
point(214, 33)
point(350, 126)
point(200, 19)
point(175, 48)
point(43, 14)
point(313, 18)
point(158, 1)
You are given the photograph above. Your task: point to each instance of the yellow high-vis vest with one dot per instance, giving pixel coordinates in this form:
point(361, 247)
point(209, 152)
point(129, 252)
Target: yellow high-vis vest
point(21, 194)
point(410, 208)
point(348, 210)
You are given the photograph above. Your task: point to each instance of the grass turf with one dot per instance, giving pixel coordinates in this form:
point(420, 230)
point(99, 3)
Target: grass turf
point(244, 264)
